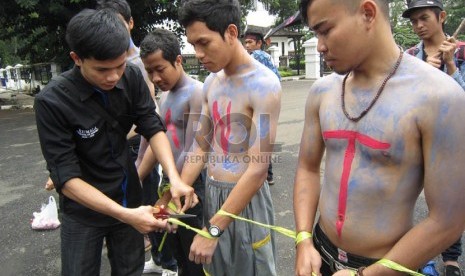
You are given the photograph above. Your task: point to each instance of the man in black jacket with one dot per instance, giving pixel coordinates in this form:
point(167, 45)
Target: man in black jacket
point(83, 117)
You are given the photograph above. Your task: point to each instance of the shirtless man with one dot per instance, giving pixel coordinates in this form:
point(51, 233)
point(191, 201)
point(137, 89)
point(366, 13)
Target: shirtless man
point(241, 104)
point(180, 107)
point(388, 135)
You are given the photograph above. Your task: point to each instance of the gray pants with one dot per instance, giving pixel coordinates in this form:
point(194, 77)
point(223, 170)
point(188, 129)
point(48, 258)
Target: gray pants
point(244, 248)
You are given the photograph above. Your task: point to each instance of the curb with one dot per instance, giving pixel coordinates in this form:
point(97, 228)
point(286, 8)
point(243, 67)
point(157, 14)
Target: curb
point(16, 107)
point(295, 78)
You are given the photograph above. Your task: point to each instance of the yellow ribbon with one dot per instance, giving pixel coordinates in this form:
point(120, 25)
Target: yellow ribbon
point(162, 243)
point(163, 189)
point(284, 231)
point(397, 267)
point(301, 236)
point(196, 230)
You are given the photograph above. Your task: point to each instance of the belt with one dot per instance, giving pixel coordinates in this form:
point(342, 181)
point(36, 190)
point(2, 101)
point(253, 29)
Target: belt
point(336, 258)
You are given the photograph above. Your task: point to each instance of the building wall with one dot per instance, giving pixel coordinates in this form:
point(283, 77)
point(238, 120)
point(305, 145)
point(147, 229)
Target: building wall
point(283, 41)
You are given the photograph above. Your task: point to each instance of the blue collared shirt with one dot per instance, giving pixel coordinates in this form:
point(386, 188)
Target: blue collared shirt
point(265, 59)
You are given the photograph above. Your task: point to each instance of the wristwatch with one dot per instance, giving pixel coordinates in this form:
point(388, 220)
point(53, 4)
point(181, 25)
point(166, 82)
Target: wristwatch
point(215, 231)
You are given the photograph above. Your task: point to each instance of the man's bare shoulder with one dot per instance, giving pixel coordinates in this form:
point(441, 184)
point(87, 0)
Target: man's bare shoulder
point(194, 83)
point(326, 89)
point(327, 84)
point(425, 92)
point(422, 79)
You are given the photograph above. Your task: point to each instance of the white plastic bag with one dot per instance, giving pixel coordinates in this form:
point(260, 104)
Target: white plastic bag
point(47, 218)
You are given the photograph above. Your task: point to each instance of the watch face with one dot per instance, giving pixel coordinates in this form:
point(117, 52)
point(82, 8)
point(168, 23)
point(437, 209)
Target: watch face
point(214, 231)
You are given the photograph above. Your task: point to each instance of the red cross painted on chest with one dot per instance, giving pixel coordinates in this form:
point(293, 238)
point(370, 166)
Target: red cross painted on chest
point(351, 137)
point(171, 128)
point(223, 126)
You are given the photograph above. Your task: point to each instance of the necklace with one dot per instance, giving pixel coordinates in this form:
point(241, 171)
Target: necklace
point(380, 90)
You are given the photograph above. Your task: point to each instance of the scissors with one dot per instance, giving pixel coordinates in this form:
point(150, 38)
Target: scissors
point(161, 213)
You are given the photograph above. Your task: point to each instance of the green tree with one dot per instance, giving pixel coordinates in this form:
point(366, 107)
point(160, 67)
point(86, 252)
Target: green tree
point(455, 14)
point(281, 8)
point(39, 26)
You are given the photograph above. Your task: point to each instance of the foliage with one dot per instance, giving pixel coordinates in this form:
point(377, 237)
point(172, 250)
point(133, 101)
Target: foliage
point(40, 26)
point(7, 53)
point(293, 64)
point(285, 72)
point(281, 8)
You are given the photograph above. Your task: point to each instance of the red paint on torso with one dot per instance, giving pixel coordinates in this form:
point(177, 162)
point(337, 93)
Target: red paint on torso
point(171, 128)
point(352, 137)
point(222, 126)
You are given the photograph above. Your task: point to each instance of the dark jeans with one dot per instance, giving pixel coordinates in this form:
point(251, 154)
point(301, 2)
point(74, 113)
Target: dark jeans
point(165, 257)
point(453, 252)
point(270, 170)
point(179, 244)
point(81, 248)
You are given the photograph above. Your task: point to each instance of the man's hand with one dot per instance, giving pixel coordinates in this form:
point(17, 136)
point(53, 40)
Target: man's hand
point(143, 220)
point(435, 60)
point(202, 249)
point(163, 203)
point(49, 185)
point(308, 260)
point(180, 189)
point(447, 49)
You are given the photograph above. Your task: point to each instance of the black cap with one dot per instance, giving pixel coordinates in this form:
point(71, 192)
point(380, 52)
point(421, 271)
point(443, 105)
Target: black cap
point(416, 4)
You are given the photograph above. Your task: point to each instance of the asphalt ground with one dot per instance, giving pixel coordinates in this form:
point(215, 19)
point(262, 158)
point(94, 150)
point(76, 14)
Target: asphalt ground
point(28, 252)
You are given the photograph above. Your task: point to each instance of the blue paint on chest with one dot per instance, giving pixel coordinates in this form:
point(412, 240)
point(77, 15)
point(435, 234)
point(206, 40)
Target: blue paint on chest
point(231, 166)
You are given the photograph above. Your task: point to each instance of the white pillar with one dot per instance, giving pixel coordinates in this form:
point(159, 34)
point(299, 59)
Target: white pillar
point(10, 83)
point(54, 70)
point(274, 52)
point(312, 59)
point(19, 86)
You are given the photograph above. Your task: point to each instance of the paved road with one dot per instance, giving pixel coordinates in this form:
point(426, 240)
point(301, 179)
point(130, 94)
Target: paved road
point(27, 252)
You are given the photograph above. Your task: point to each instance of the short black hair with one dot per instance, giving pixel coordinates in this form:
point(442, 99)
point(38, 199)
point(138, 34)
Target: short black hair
point(97, 34)
point(351, 4)
point(258, 36)
point(163, 40)
point(119, 6)
point(216, 14)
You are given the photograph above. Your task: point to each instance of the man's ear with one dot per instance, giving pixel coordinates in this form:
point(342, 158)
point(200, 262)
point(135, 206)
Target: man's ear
point(178, 60)
point(231, 32)
point(77, 60)
point(442, 17)
point(131, 24)
point(369, 10)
